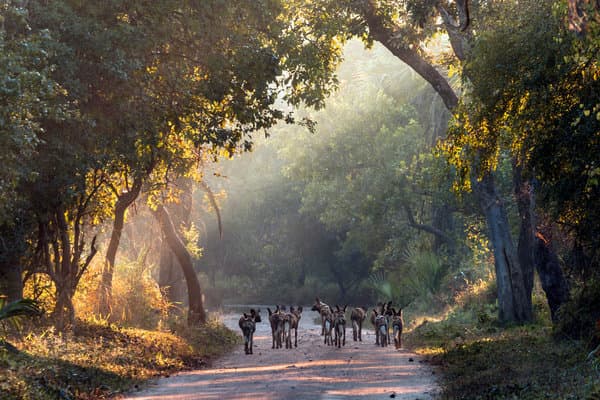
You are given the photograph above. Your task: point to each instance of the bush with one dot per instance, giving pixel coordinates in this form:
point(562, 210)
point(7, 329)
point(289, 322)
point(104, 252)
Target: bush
point(580, 317)
point(136, 298)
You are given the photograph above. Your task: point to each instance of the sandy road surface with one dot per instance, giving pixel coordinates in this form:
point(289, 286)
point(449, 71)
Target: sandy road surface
point(360, 370)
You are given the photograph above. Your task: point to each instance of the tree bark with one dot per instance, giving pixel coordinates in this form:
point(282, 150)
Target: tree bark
point(551, 275)
point(196, 313)
point(525, 199)
point(170, 275)
point(439, 235)
point(11, 284)
point(381, 33)
point(105, 289)
point(535, 251)
point(513, 301)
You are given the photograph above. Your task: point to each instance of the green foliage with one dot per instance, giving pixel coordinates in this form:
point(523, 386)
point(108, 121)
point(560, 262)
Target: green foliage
point(425, 272)
point(533, 88)
point(28, 94)
point(580, 316)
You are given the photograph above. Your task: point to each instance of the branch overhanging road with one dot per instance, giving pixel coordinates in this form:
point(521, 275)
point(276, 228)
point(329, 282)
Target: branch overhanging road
point(360, 370)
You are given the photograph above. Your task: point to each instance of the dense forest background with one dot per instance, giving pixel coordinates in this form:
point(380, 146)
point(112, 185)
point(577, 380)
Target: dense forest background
point(161, 158)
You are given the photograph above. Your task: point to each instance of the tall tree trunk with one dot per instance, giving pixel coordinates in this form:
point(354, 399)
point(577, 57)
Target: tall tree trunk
point(513, 301)
point(551, 275)
point(12, 248)
point(63, 314)
point(11, 284)
point(171, 278)
point(525, 199)
point(196, 313)
point(170, 275)
point(535, 251)
point(105, 289)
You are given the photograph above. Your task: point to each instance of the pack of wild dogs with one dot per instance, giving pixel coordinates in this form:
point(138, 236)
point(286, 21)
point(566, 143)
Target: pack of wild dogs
point(284, 323)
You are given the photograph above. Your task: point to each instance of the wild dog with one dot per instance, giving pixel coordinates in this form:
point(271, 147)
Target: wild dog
point(276, 319)
point(247, 324)
point(357, 317)
point(339, 326)
point(292, 319)
point(322, 309)
point(373, 318)
point(381, 329)
point(389, 313)
point(327, 326)
point(397, 325)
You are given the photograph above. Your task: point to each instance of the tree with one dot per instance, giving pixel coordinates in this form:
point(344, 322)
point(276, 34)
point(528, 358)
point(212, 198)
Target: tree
point(27, 94)
point(151, 91)
point(403, 27)
point(543, 97)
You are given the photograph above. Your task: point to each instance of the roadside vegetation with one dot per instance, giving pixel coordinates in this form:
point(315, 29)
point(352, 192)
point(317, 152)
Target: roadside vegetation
point(160, 159)
point(98, 360)
point(474, 357)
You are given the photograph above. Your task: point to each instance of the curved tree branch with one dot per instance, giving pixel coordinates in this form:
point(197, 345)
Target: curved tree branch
point(213, 203)
point(389, 38)
point(427, 228)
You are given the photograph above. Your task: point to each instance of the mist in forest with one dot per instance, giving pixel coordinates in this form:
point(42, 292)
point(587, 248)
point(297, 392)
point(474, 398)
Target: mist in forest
point(323, 213)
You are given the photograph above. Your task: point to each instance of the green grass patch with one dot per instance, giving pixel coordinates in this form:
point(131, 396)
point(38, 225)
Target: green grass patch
point(97, 361)
point(483, 361)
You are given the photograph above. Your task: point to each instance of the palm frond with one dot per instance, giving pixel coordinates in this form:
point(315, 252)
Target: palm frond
point(19, 308)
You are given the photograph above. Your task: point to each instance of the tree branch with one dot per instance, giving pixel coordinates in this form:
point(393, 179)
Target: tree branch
point(427, 228)
point(389, 38)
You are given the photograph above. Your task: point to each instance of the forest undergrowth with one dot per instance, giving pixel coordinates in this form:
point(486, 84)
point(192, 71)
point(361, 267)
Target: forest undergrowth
point(476, 358)
point(97, 360)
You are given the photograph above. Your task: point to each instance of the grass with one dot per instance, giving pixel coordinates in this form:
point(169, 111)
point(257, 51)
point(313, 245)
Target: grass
point(478, 359)
point(97, 361)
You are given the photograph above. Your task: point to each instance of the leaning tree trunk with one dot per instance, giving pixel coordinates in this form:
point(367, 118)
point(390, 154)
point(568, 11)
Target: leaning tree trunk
point(513, 300)
point(171, 279)
point(196, 313)
point(105, 288)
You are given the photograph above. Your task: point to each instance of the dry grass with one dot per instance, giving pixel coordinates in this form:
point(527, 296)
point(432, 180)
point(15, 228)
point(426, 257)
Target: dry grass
point(100, 361)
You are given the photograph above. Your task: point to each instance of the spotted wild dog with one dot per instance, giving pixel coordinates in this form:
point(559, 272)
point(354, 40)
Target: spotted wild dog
point(276, 319)
point(247, 324)
point(357, 317)
point(381, 328)
point(373, 317)
point(397, 325)
point(328, 326)
point(339, 326)
point(389, 313)
point(323, 309)
point(292, 319)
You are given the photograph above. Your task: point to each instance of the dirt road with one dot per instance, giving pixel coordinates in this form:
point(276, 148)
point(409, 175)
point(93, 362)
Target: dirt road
point(360, 370)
